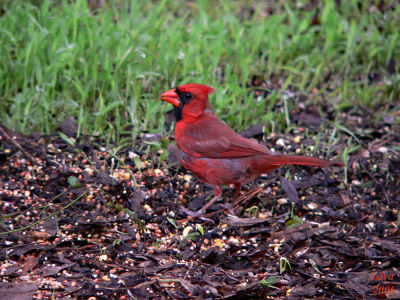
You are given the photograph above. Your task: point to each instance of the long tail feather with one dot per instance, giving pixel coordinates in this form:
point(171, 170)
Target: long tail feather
point(304, 161)
point(270, 162)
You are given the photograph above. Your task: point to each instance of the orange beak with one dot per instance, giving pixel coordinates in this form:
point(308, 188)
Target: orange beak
point(171, 97)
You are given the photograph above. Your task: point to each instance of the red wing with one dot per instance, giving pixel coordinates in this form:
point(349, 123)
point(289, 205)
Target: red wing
point(212, 138)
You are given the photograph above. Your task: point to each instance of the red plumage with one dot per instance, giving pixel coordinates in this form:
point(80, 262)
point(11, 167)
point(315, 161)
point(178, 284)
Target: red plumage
point(213, 151)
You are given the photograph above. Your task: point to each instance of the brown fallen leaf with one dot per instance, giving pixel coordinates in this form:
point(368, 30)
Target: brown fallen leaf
point(17, 291)
point(236, 221)
point(39, 235)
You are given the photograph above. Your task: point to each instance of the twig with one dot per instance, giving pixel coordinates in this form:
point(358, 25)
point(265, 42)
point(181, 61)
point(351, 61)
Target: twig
point(239, 201)
point(45, 218)
point(247, 196)
point(16, 144)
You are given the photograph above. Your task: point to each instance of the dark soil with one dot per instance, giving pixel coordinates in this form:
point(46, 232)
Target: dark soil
point(78, 221)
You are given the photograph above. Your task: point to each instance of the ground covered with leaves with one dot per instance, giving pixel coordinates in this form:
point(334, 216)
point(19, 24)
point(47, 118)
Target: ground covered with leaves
point(81, 221)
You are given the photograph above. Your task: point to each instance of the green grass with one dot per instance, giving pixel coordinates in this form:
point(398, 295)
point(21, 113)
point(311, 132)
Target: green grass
point(107, 66)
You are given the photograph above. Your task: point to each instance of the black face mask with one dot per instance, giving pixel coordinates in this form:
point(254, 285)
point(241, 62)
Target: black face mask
point(184, 98)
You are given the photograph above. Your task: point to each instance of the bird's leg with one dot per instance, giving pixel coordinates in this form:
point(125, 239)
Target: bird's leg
point(229, 205)
point(217, 195)
point(237, 191)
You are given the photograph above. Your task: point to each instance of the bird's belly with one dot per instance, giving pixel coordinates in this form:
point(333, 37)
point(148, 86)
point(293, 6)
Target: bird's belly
point(219, 171)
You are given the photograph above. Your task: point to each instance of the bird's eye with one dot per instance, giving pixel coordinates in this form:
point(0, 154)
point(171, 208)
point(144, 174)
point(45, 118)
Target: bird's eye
point(186, 96)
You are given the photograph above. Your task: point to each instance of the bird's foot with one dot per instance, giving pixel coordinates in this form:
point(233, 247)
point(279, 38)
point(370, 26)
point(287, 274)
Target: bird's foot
point(229, 207)
point(195, 214)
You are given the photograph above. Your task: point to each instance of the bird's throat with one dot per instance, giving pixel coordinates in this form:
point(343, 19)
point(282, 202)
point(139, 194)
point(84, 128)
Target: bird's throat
point(178, 112)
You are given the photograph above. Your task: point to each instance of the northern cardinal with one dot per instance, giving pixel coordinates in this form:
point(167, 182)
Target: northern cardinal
point(214, 152)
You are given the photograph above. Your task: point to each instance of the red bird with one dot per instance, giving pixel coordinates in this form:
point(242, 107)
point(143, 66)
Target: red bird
point(214, 152)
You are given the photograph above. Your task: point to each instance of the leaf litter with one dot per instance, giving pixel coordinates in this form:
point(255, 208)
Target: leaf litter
point(77, 223)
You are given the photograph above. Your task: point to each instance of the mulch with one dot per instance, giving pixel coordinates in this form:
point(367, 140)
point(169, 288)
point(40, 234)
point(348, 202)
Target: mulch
point(78, 221)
